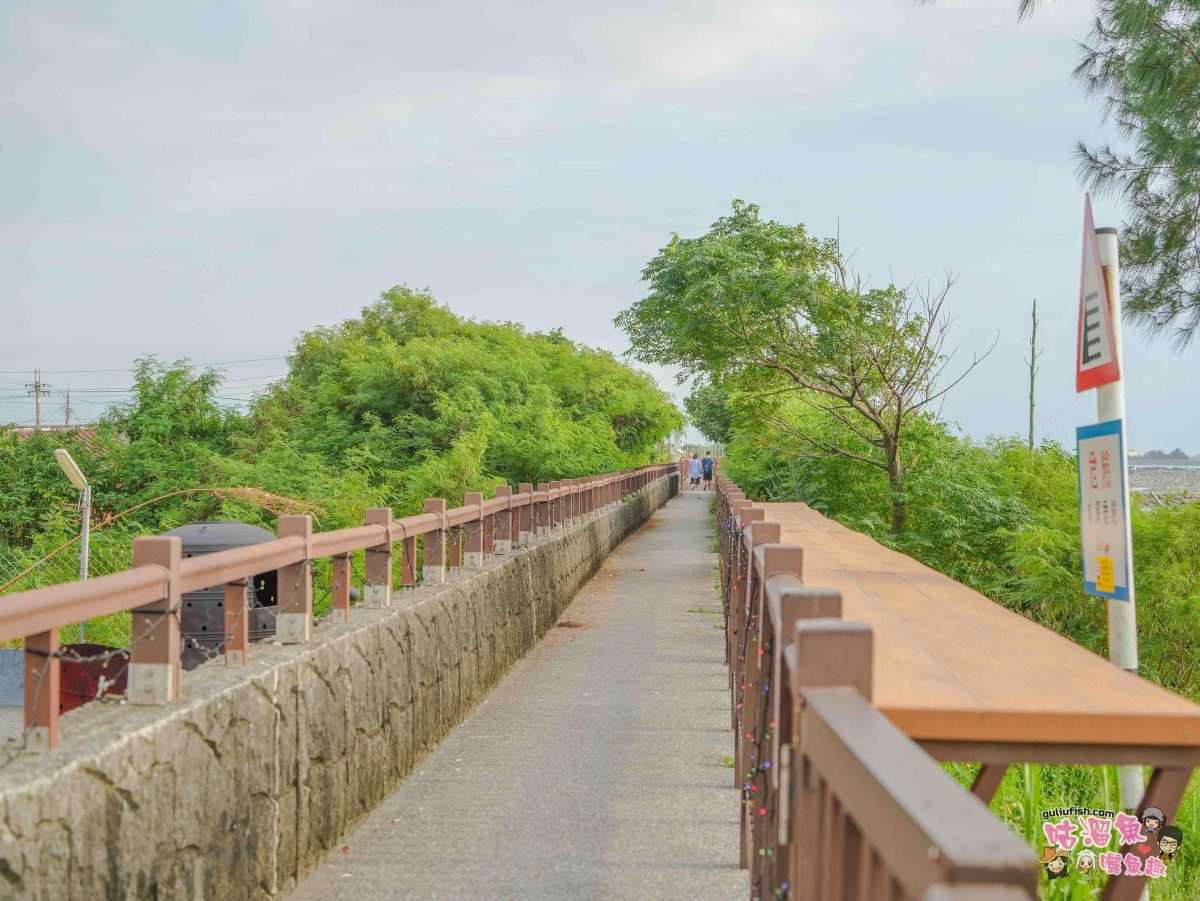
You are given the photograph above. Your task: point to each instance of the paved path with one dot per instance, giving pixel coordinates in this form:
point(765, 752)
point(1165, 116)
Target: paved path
point(594, 769)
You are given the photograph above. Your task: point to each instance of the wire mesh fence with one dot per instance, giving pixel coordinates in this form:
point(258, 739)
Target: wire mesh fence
point(22, 571)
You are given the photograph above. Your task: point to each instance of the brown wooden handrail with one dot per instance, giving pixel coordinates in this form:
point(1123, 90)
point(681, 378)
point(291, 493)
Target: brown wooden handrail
point(923, 829)
point(153, 587)
point(838, 804)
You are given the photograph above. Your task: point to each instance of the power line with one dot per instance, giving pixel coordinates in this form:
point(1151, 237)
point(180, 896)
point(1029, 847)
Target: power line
point(127, 368)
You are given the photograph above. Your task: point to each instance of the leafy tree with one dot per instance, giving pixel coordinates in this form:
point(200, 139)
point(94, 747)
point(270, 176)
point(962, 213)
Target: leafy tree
point(408, 389)
point(765, 307)
point(1143, 58)
point(708, 406)
point(406, 401)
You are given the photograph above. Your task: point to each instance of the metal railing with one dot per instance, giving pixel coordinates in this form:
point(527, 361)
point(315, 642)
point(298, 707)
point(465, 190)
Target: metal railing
point(837, 803)
point(452, 540)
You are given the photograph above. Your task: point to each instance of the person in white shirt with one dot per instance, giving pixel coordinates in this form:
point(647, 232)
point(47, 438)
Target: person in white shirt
point(694, 471)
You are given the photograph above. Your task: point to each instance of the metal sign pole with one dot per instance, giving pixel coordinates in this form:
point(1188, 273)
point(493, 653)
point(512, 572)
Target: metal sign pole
point(85, 503)
point(1110, 405)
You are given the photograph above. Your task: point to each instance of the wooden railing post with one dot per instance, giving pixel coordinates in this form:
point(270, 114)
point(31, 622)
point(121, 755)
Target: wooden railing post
point(454, 550)
point(237, 622)
point(408, 561)
point(377, 585)
point(504, 522)
point(487, 525)
point(525, 517)
point(542, 513)
point(556, 508)
point(826, 653)
point(473, 555)
point(154, 631)
point(293, 623)
point(433, 569)
point(340, 577)
point(753, 673)
point(42, 670)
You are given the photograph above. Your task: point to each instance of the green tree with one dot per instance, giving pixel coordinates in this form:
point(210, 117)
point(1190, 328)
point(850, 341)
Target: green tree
point(708, 406)
point(428, 403)
point(1143, 58)
point(767, 308)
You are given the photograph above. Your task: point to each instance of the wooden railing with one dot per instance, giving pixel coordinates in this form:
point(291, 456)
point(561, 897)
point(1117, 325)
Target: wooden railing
point(837, 803)
point(464, 537)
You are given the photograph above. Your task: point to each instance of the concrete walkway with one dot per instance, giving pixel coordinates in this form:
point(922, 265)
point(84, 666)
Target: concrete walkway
point(594, 769)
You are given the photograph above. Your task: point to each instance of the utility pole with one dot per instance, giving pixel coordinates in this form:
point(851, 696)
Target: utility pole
point(38, 389)
point(1033, 358)
point(67, 397)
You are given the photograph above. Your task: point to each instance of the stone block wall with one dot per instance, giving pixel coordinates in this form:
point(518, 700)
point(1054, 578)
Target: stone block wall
point(240, 788)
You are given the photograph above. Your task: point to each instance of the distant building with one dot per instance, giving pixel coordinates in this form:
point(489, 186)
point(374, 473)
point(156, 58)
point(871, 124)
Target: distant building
point(84, 433)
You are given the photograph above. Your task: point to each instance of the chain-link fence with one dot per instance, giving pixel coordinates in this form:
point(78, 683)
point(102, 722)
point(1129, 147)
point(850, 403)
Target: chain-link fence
point(21, 571)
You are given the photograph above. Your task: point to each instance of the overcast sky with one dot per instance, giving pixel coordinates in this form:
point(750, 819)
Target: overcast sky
point(208, 179)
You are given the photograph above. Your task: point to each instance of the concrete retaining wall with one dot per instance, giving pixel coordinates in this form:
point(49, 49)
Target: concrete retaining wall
point(241, 787)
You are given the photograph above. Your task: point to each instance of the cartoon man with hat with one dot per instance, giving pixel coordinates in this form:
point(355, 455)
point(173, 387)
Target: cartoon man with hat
point(1055, 861)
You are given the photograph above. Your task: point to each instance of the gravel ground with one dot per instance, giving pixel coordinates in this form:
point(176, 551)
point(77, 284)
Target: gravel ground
point(1166, 481)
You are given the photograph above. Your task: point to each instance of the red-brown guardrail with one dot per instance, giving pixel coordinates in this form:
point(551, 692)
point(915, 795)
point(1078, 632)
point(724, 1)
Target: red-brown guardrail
point(451, 540)
point(837, 803)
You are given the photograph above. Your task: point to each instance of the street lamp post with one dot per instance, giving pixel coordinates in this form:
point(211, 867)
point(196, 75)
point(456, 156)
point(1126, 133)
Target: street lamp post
point(72, 471)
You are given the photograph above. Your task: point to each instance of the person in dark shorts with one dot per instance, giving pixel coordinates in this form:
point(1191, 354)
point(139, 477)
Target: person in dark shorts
point(694, 471)
point(706, 467)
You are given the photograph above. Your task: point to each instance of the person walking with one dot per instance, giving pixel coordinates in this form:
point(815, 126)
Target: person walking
point(695, 471)
point(706, 467)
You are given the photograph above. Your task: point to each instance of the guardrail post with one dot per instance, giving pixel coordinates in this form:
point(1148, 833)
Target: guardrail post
point(340, 577)
point(154, 646)
point(377, 584)
point(829, 653)
point(752, 674)
point(473, 556)
point(504, 522)
point(556, 507)
point(454, 550)
point(525, 516)
point(488, 531)
point(433, 568)
point(796, 604)
point(293, 624)
point(543, 513)
point(237, 622)
point(42, 670)
point(408, 561)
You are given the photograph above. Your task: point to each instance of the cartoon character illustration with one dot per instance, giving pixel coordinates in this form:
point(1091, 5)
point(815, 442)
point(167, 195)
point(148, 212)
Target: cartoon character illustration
point(1085, 861)
point(1169, 842)
point(1055, 860)
point(1152, 820)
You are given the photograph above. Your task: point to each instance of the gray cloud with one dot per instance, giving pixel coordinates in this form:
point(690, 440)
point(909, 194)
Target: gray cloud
point(211, 178)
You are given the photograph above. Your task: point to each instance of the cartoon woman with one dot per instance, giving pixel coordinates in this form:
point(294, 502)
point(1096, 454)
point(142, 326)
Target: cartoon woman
point(1085, 861)
point(1169, 842)
point(1152, 820)
point(1055, 860)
